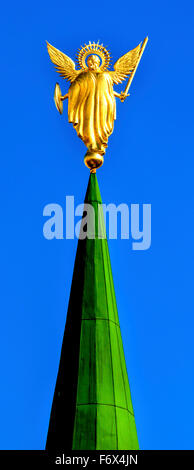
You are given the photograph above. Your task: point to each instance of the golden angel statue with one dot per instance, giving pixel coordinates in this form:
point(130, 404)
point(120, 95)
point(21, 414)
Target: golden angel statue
point(91, 98)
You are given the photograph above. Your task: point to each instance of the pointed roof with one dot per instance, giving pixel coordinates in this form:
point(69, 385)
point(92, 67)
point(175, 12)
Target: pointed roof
point(92, 406)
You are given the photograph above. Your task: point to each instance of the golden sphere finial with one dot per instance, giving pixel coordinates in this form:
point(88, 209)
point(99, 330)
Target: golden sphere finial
point(93, 160)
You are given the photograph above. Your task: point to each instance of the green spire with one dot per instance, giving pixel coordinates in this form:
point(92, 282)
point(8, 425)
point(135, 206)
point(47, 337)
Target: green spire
point(92, 406)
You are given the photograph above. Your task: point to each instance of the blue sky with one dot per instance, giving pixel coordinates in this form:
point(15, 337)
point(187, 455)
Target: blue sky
point(149, 160)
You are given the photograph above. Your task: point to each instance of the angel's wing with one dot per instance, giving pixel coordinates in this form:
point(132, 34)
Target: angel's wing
point(125, 65)
point(64, 65)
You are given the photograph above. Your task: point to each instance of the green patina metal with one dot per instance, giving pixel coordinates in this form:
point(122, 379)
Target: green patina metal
point(92, 406)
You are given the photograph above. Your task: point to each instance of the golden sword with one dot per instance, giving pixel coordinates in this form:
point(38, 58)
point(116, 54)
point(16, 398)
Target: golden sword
point(124, 93)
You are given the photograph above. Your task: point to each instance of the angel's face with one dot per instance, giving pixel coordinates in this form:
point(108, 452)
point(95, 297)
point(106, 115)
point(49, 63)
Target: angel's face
point(93, 62)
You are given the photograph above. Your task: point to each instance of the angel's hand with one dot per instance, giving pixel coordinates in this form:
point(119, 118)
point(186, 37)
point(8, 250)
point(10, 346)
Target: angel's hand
point(123, 96)
point(62, 98)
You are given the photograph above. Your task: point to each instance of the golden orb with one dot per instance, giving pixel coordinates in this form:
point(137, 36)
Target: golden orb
point(93, 160)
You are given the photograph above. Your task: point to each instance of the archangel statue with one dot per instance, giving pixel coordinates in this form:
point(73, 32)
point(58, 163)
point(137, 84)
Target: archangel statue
point(91, 97)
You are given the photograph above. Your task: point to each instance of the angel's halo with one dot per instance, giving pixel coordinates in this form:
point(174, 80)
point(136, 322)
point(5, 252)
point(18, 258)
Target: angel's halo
point(93, 49)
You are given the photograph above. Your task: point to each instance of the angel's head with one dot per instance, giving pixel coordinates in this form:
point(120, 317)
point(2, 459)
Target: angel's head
point(93, 63)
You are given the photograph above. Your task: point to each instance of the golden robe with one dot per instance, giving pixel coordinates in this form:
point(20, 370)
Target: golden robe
point(92, 108)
